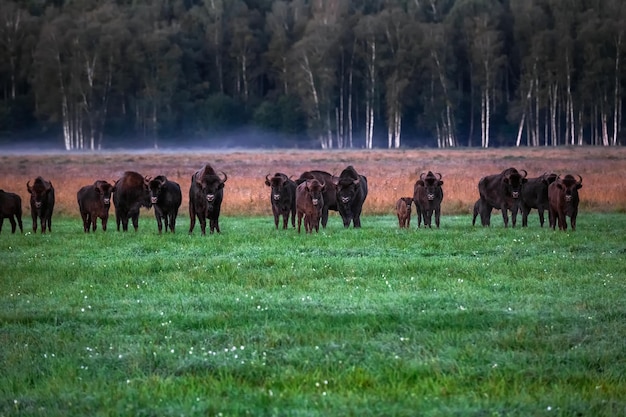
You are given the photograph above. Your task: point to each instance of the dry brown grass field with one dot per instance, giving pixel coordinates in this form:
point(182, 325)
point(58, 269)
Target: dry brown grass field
point(391, 173)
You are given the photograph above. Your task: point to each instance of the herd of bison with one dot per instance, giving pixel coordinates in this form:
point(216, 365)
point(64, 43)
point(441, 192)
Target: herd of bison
point(309, 198)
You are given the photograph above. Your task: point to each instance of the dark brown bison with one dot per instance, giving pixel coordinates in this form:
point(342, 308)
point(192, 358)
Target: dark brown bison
point(535, 196)
point(403, 211)
point(351, 189)
point(563, 197)
point(166, 198)
point(282, 198)
point(330, 196)
point(131, 193)
point(11, 208)
point(205, 198)
point(94, 202)
point(309, 204)
point(428, 194)
point(501, 191)
point(41, 203)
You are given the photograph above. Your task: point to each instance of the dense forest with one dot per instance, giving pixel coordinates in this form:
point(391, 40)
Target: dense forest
point(91, 74)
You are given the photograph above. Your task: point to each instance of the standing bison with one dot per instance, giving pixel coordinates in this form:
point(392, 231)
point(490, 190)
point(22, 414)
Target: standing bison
point(501, 191)
point(11, 208)
point(309, 204)
point(205, 198)
point(403, 211)
point(351, 188)
point(535, 196)
point(131, 193)
point(166, 198)
point(94, 202)
point(428, 194)
point(282, 198)
point(329, 194)
point(41, 203)
point(563, 197)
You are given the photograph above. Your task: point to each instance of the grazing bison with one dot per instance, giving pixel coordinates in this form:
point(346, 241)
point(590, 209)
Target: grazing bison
point(11, 208)
point(131, 193)
point(501, 191)
point(330, 196)
point(166, 198)
point(309, 204)
point(41, 203)
point(428, 194)
point(205, 198)
point(282, 198)
point(351, 188)
point(403, 211)
point(563, 197)
point(535, 196)
point(94, 202)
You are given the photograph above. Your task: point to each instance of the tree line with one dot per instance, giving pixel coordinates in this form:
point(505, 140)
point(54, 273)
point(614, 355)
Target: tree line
point(314, 73)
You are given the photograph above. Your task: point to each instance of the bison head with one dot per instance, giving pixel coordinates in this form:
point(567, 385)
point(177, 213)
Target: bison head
point(104, 190)
point(315, 190)
point(39, 191)
point(570, 187)
point(277, 185)
point(155, 185)
point(347, 188)
point(432, 185)
point(514, 181)
point(210, 185)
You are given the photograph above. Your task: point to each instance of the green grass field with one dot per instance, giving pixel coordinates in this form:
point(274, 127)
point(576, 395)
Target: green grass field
point(464, 321)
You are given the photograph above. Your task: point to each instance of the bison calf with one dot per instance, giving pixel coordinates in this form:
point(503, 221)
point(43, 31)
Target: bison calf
point(563, 197)
point(41, 203)
point(11, 208)
point(309, 204)
point(94, 202)
point(403, 211)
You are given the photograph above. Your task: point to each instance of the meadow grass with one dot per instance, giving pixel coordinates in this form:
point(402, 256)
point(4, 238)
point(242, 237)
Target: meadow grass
point(256, 321)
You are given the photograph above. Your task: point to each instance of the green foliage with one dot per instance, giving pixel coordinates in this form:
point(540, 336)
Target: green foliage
point(256, 321)
point(416, 70)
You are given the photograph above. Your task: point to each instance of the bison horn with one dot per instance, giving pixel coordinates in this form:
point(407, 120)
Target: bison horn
point(225, 177)
point(580, 181)
point(525, 173)
point(439, 176)
point(28, 186)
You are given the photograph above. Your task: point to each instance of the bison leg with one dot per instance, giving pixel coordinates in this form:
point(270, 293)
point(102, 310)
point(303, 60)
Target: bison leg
point(437, 216)
point(573, 220)
point(34, 215)
point(105, 219)
point(324, 216)
point(215, 225)
point(299, 221)
point(159, 221)
point(551, 218)
point(192, 218)
point(1, 222)
point(541, 218)
point(293, 217)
